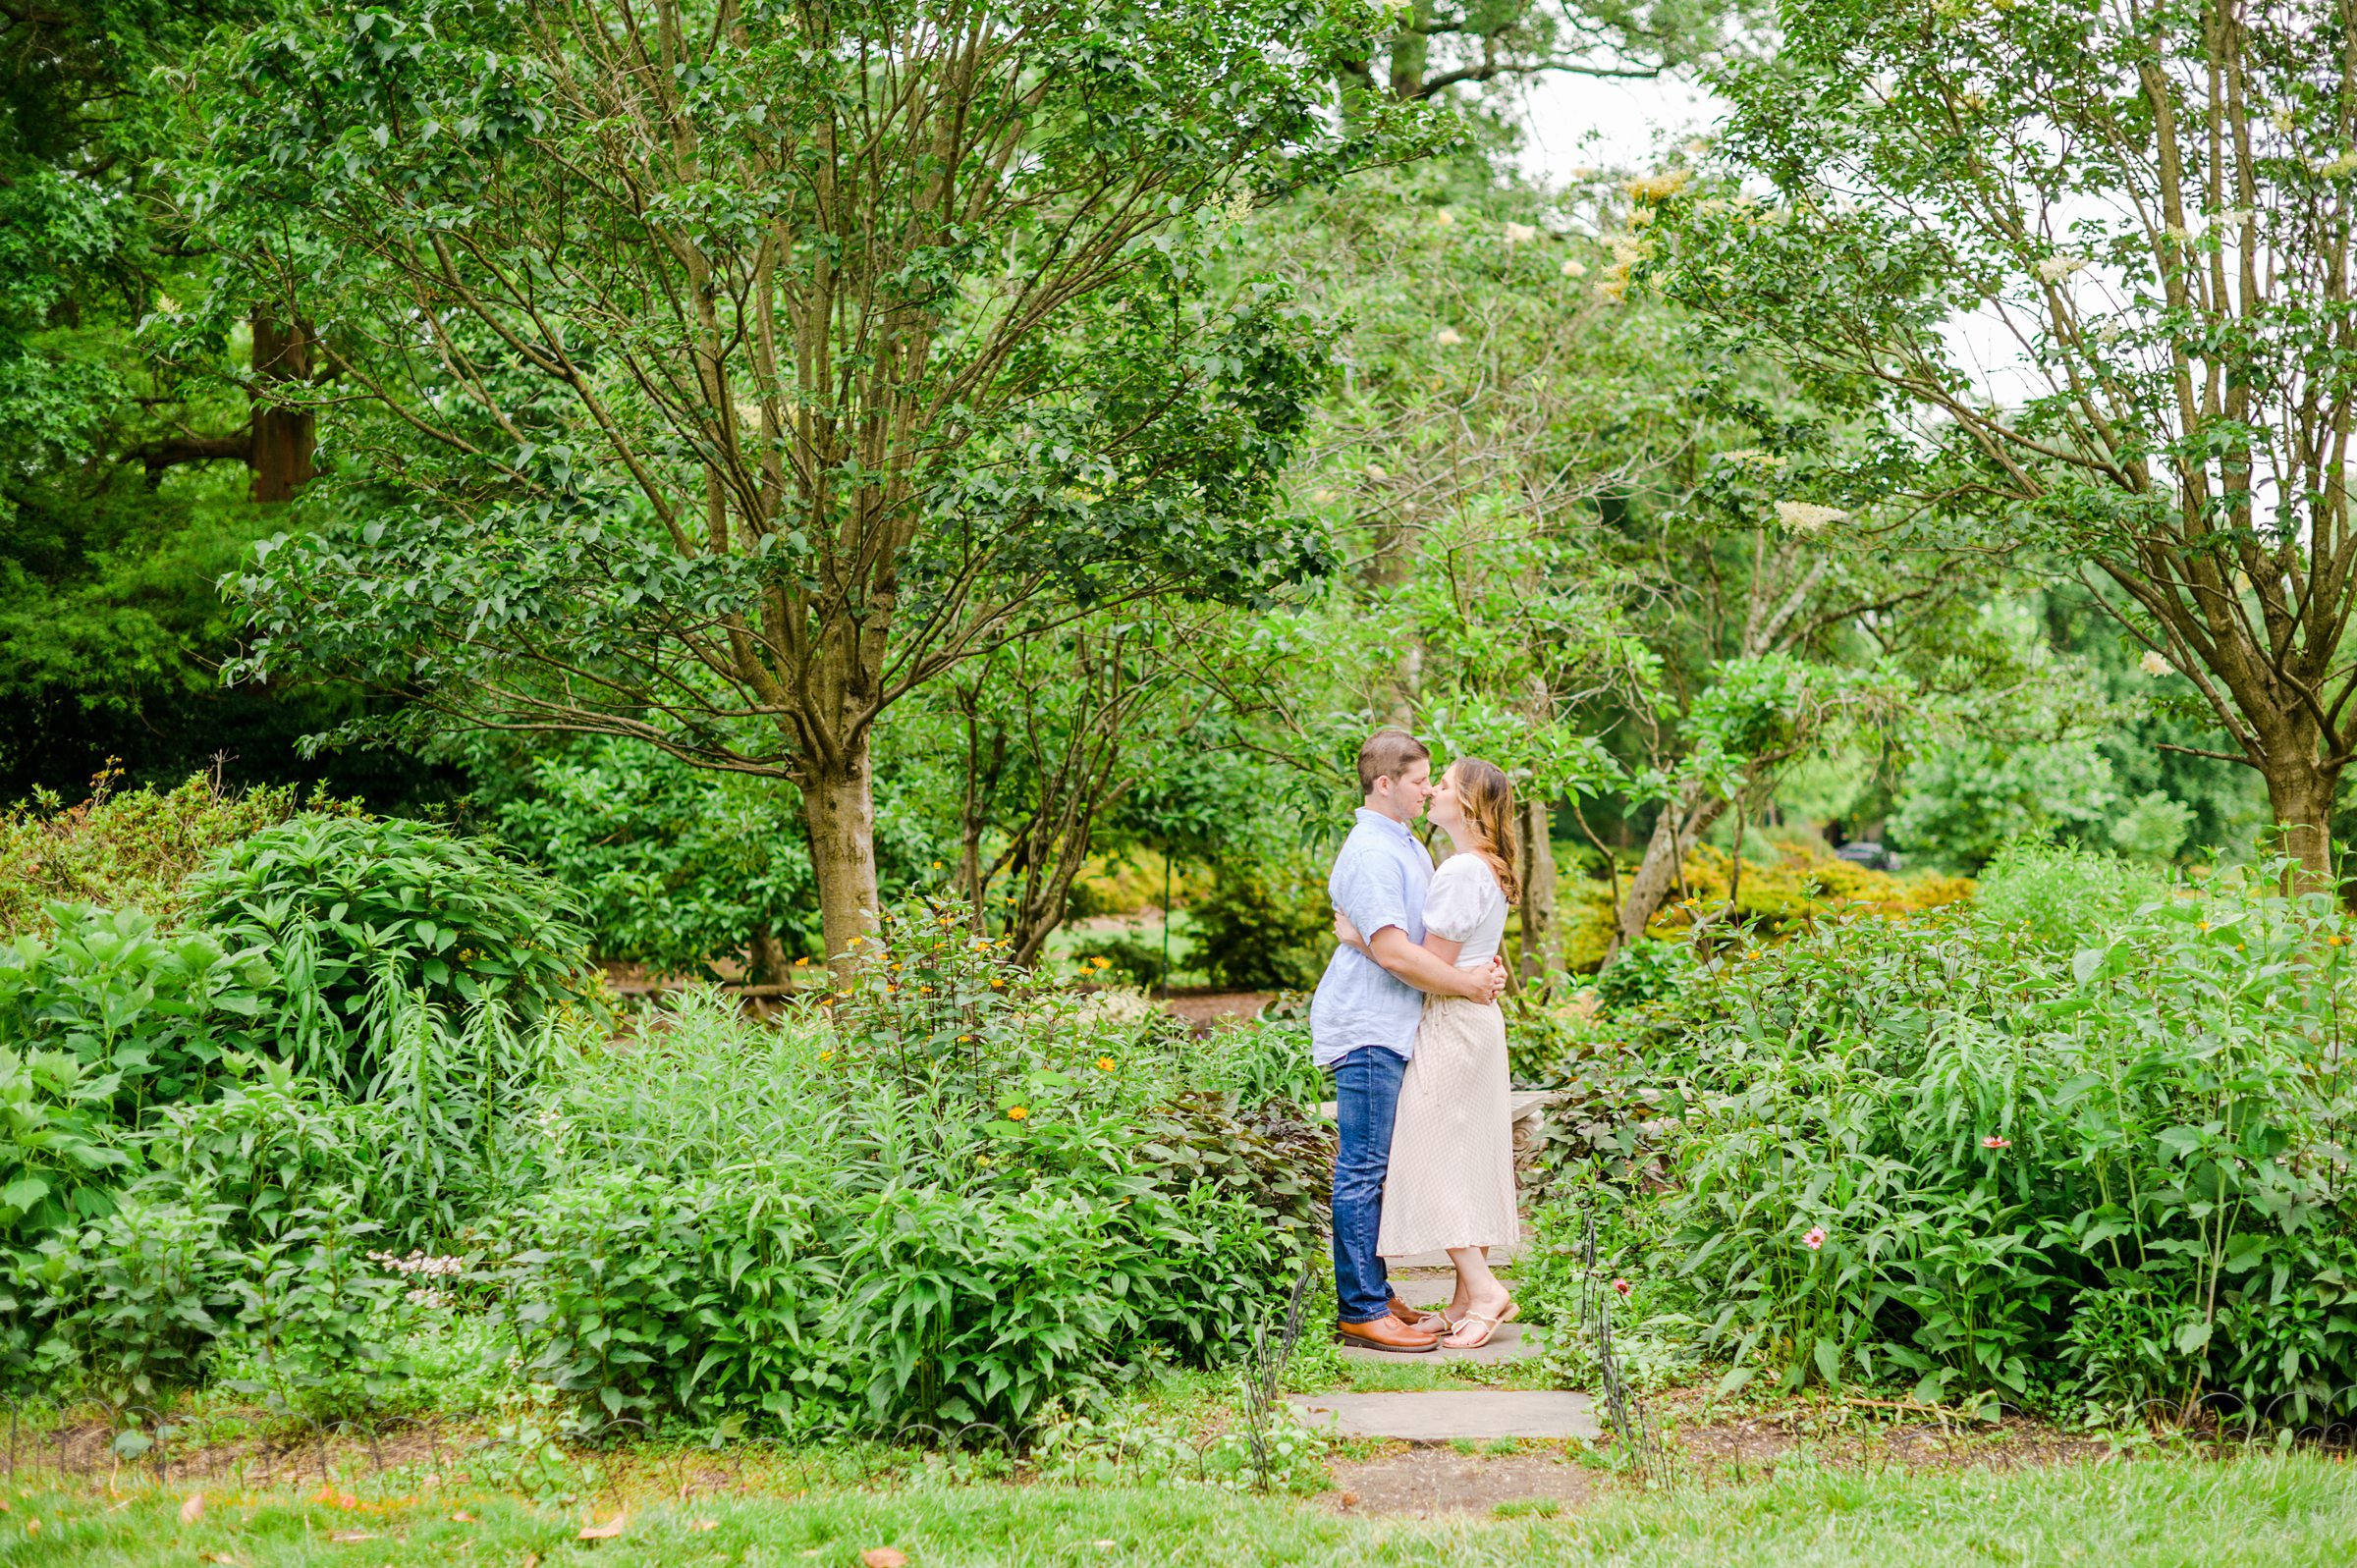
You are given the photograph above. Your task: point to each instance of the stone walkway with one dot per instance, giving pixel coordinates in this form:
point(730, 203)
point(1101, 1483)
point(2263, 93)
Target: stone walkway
point(1444, 1415)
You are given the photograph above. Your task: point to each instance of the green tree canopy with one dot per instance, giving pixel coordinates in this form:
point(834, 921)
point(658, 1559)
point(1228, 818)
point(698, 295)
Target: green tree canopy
point(726, 374)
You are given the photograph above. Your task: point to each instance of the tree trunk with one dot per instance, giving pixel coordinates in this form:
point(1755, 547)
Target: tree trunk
point(1542, 940)
point(279, 458)
point(765, 958)
point(1681, 821)
point(2300, 795)
point(838, 808)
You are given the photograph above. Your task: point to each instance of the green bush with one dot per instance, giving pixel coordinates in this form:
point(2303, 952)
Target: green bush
point(1265, 925)
point(1133, 960)
point(1266, 1061)
point(1648, 970)
point(156, 1010)
point(2061, 893)
point(131, 850)
point(58, 1160)
point(371, 921)
point(247, 1228)
point(1944, 1152)
point(673, 866)
point(961, 1196)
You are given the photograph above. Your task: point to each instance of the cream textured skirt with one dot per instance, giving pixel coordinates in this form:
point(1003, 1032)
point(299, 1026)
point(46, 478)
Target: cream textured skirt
point(1452, 1178)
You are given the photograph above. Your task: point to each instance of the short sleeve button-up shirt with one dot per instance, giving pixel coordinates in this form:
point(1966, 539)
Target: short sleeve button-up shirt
point(1379, 880)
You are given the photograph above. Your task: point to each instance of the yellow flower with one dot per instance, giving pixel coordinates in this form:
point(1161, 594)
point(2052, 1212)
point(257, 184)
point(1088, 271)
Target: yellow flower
point(1016, 1113)
point(965, 1040)
point(1102, 962)
point(1105, 1064)
point(826, 1056)
point(2203, 924)
point(997, 984)
point(924, 989)
point(803, 962)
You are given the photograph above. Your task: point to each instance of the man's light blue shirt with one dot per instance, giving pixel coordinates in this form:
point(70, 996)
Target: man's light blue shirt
point(1379, 880)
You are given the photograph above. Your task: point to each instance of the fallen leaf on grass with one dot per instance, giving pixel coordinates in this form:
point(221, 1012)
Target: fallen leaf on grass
point(462, 1518)
point(703, 1524)
point(217, 1556)
point(605, 1532)
point(1349, 1499)
point(532, 1559)
point(33, 1526)
point(883, 1557)
point(194, 1509)
point(347, 1536)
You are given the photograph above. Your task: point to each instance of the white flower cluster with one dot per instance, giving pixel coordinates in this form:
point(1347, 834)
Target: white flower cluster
point(1806, 516)
point(419, 1262)
point(2061, 264)
point(2152, 664)
point(423, 1262)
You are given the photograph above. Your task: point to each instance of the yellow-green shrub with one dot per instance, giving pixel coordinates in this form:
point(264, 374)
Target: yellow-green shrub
point(1773, 898)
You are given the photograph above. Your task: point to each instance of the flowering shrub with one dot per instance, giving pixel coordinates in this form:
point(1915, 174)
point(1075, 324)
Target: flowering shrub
point(1949, 1152)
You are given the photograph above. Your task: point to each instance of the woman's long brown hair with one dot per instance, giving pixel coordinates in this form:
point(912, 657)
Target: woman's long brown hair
point(1488, 801)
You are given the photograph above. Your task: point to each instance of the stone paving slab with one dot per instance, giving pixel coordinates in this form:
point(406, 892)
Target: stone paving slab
point(1507, 1344)
point(1446, 1415)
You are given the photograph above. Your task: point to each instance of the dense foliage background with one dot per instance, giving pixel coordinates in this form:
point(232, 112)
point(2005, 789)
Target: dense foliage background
point(634, 665)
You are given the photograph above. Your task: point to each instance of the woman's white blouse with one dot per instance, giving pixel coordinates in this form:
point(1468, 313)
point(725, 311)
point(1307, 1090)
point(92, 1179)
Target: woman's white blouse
point(1465, 904)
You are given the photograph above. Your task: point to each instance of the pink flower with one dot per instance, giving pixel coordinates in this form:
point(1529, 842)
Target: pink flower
point(1623, 1286)
point(1815, 1238)
point(1993, 1141)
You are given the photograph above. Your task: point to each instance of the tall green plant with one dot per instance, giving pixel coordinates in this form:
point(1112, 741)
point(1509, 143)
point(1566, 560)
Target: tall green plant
point(1927, 1148)
point(365, 917)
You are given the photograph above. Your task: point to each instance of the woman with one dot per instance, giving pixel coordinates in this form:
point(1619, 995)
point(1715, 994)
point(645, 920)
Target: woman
point(1451, 1186)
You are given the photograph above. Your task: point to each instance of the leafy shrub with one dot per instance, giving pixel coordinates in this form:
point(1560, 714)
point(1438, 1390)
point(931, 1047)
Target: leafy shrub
point(2152, 827)
point(673, 866)
point(106, 1018)
point(1133, 960)
point(1647, 971)
point(247, 1229)
point(1265, 925)
point(1802, 885)
point(367, 919)
point(1266, 1061)
point(128, 849)
point(1925, 1149)
point(948, 1194)
point(1133, 882)
point(2061, 893)
point(58, 1161)
point(156, 1010)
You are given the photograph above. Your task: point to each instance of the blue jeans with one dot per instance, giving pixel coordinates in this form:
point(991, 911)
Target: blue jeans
point(1366, 1094)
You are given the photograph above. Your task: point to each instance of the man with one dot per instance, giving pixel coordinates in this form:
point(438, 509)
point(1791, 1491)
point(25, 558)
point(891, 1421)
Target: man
point(1362, 1022)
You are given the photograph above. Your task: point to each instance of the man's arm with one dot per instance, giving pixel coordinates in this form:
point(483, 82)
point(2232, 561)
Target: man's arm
point(1431, 973)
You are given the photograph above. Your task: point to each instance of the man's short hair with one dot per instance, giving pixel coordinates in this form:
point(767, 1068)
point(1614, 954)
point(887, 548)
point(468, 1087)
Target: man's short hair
point(1387, 754)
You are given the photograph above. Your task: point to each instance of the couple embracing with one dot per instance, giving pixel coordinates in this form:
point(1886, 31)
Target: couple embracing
point(1407, 1018)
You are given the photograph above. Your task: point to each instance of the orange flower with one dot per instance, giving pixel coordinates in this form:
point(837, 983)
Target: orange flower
point(1016, 1113)
point(1105, 1064)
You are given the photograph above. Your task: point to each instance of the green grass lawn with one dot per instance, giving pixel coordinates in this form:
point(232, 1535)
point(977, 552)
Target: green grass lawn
point(2171, 1512)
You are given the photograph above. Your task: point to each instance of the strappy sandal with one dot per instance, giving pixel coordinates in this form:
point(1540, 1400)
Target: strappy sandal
point(1506, 1315)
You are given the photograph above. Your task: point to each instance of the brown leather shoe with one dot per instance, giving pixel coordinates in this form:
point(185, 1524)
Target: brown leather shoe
point(1388, 1333)
point(1411, 1315)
